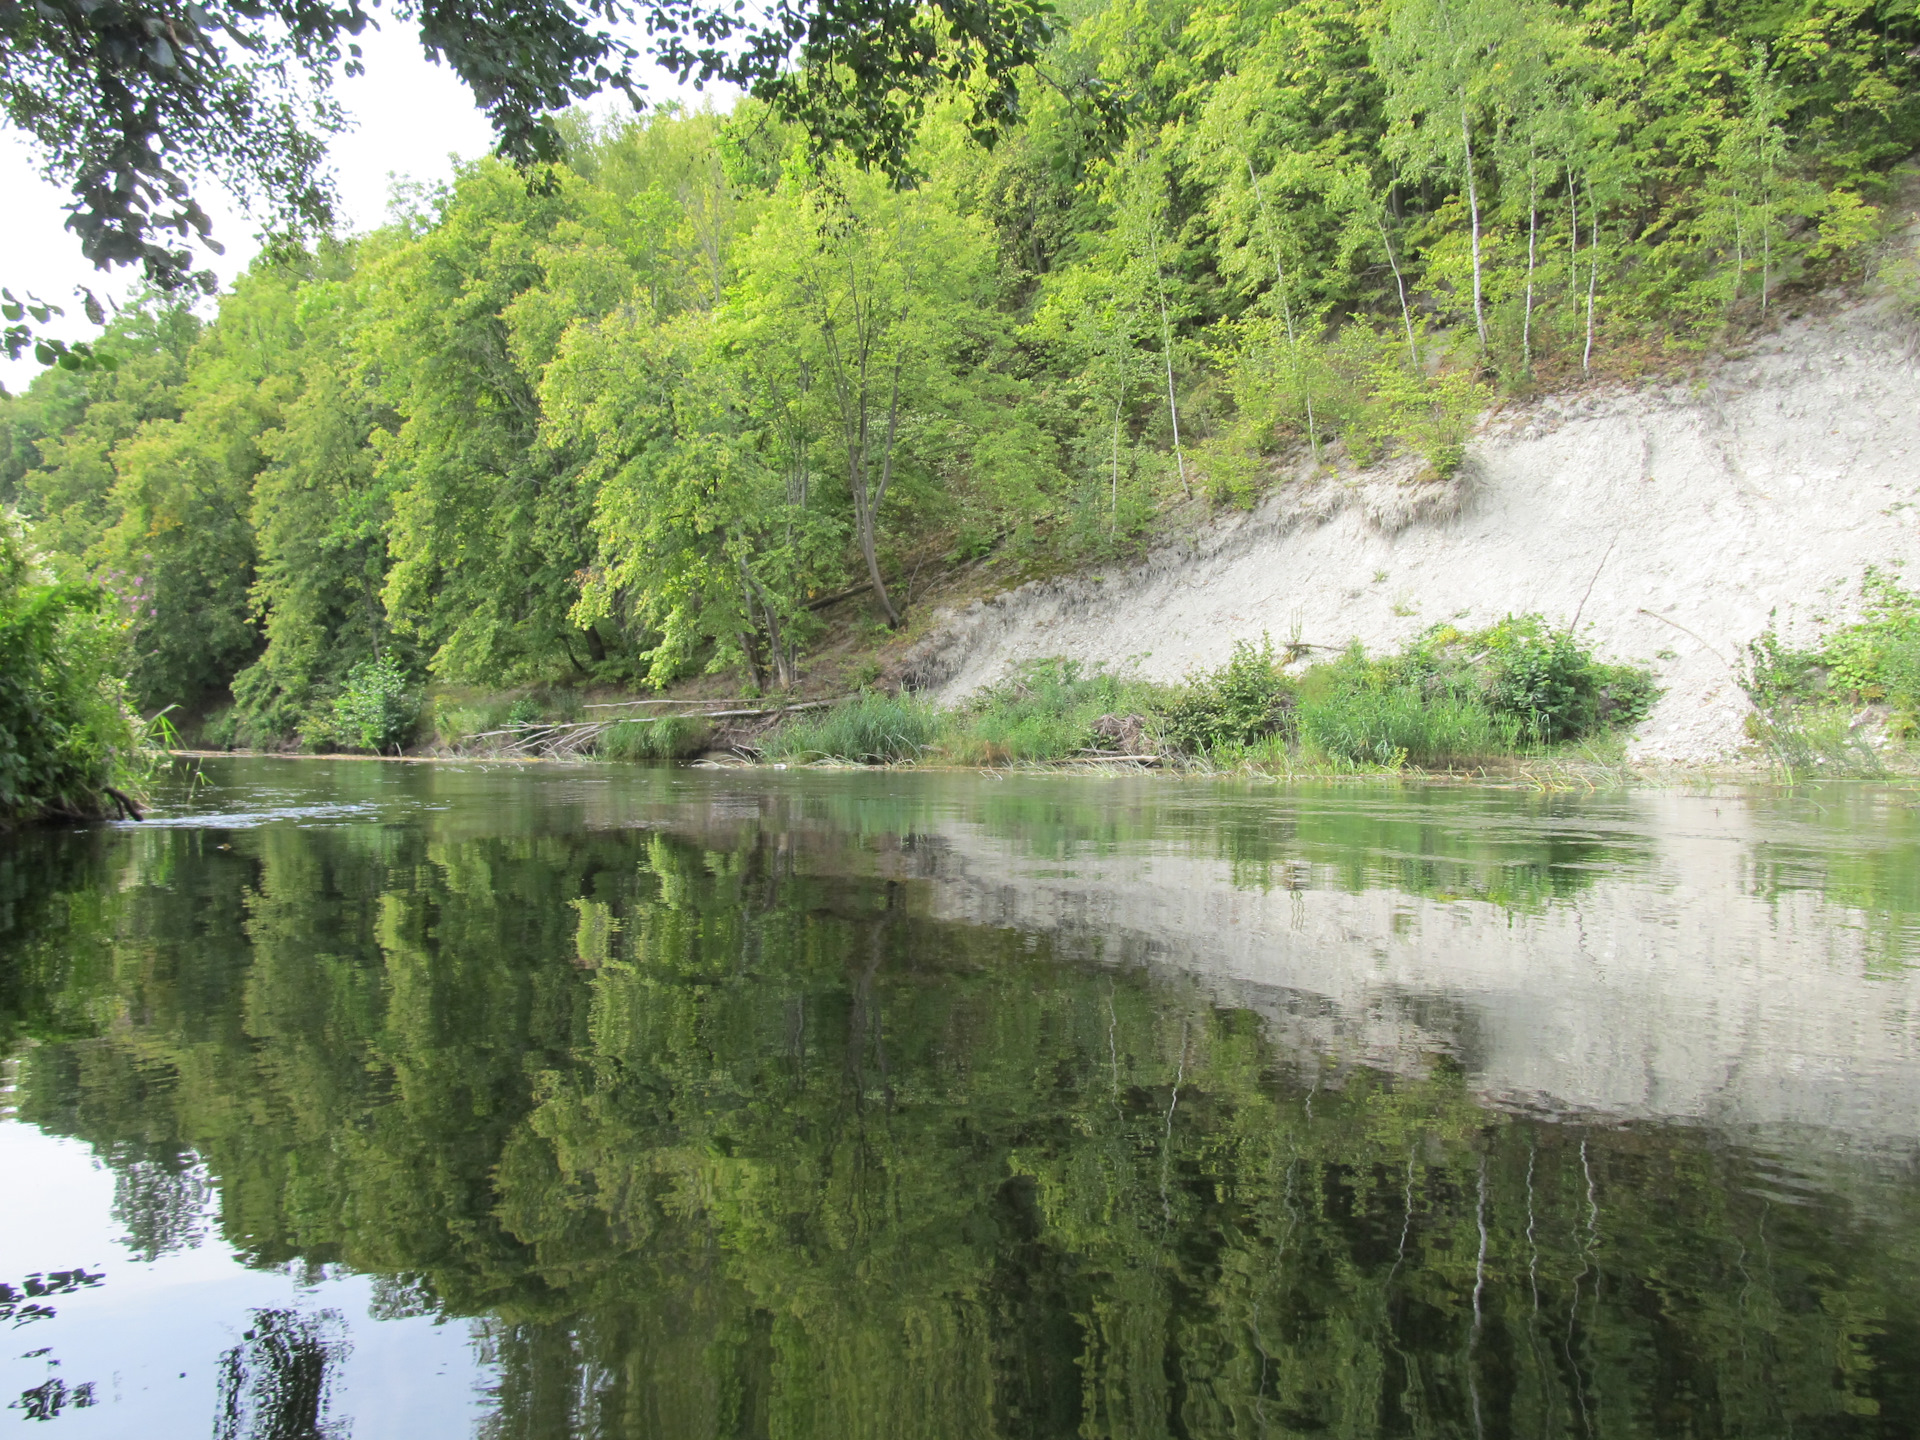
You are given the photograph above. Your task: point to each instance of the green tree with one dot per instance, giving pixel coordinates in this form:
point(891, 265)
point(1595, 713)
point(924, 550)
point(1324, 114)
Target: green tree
point(887, 295)
point(1442, 62)
point(320, 516)
point(67, 737)
point(489, 525)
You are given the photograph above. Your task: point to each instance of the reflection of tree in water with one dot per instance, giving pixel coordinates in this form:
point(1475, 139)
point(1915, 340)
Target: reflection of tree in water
point(23, 1306)
point(727, 1139)
point(46, 1400)
point(162, 1198)
point(274, 1385)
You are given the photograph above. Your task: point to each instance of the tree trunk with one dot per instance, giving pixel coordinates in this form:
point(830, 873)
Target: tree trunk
point(1573, 245)
point(1173, 409)
point(1406, 315)
point(1286, 304)
point(779, 652)
point(1766, 233)
point(1533, 234)
point(1473, 208)
point(1593, 275)
point(867, 506)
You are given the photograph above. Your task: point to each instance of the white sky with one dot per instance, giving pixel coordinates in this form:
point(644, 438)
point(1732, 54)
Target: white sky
point(411, 115)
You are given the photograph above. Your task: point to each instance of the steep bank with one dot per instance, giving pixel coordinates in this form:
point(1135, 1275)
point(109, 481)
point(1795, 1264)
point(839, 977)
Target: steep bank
point(1671, 520)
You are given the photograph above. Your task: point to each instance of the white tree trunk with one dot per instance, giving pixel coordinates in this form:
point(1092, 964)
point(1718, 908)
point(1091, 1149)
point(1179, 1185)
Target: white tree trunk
point(1533, 234)
point(1473, 208)
point(1173, 407)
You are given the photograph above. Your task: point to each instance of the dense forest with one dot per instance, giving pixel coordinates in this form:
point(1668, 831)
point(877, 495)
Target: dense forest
point(624, 421)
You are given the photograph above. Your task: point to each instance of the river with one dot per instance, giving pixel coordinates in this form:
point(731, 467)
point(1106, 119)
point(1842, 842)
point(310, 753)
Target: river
point(380, 1099)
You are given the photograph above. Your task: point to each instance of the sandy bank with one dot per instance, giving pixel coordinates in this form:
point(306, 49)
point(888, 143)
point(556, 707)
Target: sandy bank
point(1672, 520)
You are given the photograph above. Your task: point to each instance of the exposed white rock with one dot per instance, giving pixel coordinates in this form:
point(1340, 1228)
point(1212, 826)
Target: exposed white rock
point(1671, 520)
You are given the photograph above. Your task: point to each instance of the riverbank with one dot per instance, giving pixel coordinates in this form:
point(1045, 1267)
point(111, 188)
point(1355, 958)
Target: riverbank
point(1670, 524)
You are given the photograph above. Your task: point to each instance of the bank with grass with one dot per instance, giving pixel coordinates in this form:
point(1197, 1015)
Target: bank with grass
point(1452, 699)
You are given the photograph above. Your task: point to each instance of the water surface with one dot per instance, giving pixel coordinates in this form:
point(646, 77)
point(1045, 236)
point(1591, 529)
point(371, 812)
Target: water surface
point(348, 1098)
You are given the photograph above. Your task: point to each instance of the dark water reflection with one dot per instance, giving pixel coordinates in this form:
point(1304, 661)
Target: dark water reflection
point(890, 1105)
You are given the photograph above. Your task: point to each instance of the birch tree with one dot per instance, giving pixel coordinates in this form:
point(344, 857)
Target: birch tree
point(1442, 62)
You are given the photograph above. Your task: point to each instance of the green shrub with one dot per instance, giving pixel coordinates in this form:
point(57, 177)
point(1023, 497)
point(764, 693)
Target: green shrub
point(872, 729)
point(1775, 674)
point(1044, 711)
point(1245, 700)
point(1397, 725)
point(1877, 658)
point(378, 709)
point(672, 737)
point(67, 736)
point(1555, 688)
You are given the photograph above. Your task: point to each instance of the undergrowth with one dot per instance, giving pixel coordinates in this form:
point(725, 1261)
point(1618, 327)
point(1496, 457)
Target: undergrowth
point(1450, 697)
point(1047, 710)
point(672, 737)
point(1821, 708)
point(870, 729)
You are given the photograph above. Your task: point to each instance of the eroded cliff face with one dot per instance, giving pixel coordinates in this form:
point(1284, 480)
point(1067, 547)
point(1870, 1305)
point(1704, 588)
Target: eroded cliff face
point(1671, 521)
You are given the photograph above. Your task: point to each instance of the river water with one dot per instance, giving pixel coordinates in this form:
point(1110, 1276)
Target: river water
point(362, 1099)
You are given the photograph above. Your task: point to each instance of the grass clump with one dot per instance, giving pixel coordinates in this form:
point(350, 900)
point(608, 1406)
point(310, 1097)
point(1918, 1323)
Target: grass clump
point(872, 729)
point(1815, 706)
point(672, 737)
point(1351, 718)
point(1047, 710)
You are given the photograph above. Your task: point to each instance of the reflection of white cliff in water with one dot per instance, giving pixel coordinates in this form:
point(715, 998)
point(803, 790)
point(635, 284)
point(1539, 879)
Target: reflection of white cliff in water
point(1671, 990)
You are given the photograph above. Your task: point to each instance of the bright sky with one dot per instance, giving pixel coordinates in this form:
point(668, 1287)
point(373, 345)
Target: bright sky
point(412, 116)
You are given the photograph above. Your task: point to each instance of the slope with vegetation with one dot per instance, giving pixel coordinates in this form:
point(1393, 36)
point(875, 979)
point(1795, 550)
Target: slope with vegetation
point(68, 739)
point(635, 424)
point(1450, 698)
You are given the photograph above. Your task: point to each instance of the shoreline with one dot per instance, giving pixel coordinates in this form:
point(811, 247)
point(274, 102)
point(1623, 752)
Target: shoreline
point(1570, 778)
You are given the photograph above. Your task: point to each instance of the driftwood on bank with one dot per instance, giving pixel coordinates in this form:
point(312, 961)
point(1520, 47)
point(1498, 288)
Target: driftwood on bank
point(569, 739)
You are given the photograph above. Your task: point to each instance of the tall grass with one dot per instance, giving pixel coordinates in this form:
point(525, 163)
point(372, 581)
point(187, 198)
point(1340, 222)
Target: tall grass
point(1045, 711)
point(873, 729)
point(1446, 698)
point(672, 737)
point(1400, 726)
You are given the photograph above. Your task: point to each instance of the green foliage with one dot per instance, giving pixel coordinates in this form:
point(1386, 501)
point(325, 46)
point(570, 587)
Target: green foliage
point(1044, 711)
point(1245, 700)
point(1545, 679)
point(1877, 658)
point(1804, 697)
point(1346, 718)
point(872, 729)
point(1447, 697)
point(66, 733)
point(377, 709)
point(672, 737)
point(630, 424)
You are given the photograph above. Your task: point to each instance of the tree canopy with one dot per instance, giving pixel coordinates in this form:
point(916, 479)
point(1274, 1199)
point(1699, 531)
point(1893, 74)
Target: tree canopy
point(634, 422)
point(138, 104)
